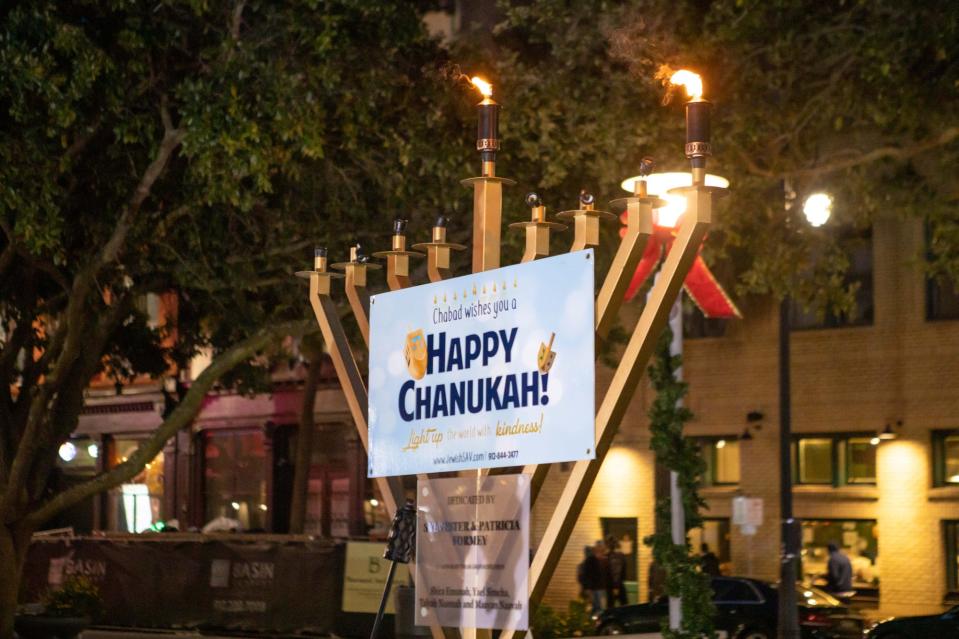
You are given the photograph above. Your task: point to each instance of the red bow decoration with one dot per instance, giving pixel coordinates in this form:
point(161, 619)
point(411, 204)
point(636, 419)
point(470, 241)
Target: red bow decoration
point(700, 283)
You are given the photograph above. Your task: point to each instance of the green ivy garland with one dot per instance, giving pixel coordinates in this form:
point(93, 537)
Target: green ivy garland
point(677, 453)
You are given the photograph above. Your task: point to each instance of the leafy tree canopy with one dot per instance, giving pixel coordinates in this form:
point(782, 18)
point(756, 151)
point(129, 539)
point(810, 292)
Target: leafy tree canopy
point(856, 98)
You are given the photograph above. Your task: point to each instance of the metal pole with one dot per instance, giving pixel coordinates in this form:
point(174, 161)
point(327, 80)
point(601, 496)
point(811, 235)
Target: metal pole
point(788, 610)
point(677, 520)
point(383, 600)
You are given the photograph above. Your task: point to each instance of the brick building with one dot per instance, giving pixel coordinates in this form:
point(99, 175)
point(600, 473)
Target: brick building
point(892, 504)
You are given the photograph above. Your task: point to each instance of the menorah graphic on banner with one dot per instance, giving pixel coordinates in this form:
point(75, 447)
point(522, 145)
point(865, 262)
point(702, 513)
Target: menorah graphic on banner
point(638, 213)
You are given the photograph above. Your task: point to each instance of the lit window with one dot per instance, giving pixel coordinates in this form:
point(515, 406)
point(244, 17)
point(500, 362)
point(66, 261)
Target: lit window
point(234, 472)
point(722, 460)
point(835, 460)
point(137, 505)
point(860, 460)
point(815, 461)
point(858, 539)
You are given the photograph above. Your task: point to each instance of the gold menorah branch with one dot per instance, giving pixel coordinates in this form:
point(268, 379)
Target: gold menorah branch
point(438, 252)
point(487, 223)
point(355, 284)
point(537, 230)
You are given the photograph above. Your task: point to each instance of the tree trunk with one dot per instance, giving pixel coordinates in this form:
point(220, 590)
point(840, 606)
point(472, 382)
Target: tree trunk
point(14, 542)
point(304, 450)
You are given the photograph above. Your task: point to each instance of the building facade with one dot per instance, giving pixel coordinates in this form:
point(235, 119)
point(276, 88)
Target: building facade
point(891, 504)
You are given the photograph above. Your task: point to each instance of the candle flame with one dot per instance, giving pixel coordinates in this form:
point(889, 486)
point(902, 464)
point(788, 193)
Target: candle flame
point(692, 81)
point(484, 87)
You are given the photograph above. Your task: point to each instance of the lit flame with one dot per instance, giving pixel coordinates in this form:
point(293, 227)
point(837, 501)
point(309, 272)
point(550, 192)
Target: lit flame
point(484, 87)
point(690, 80)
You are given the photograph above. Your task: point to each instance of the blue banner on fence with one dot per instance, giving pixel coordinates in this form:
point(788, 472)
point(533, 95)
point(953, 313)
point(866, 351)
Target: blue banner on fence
point(491, 369)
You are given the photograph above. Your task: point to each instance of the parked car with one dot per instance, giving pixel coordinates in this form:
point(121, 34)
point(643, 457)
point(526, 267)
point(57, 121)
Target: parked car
point(944, 626)
point(745, 609)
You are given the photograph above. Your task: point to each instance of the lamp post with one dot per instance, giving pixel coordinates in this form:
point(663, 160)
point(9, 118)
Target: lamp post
point(816, 209)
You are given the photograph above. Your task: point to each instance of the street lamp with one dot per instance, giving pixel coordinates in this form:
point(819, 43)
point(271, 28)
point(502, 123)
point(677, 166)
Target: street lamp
point(817, 209)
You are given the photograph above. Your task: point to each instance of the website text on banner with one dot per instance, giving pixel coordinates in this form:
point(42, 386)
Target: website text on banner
point(491, 369)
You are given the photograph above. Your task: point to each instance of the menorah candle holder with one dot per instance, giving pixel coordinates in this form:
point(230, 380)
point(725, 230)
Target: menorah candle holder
point(537, 230)
point(586, 221)
point(487, 226)
point(355, 271)
point(398, 258)
point(438, 251)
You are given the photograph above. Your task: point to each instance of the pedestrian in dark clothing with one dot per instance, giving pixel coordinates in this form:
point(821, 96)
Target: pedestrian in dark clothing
point(616, 574)
point(708, 561)
point(838, 570)
point(589, 573)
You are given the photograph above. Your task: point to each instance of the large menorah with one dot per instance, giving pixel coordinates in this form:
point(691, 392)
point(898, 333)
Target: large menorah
point(487, 227)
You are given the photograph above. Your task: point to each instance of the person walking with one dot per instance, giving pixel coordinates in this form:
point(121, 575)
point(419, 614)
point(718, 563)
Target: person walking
point(615, 574)
point(589, 573)
point(708, 561)
point(838, 571)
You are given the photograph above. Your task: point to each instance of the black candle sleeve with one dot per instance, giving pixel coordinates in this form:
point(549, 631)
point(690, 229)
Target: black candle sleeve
point(319, 251)
point(399, 226)
point(441, 222)
point(698, 147)
point(487, 131)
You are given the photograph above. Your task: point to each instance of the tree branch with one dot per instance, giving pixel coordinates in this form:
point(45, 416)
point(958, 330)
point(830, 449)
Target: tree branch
point(172, 138)
point(181, 417)
point(848, 159)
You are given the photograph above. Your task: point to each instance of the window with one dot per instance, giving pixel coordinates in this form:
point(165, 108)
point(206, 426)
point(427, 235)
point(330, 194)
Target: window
point(942, 299)
point(860, 460)
point(235, 477)
point(859, 250)
point(815, 461)
point(696, 325)
point(856, 538)
point(942, 292)
point(835, 460)
point(722, 460)
point(137, 505)
point(945, 451)
point(715, 534)
point(951, 536)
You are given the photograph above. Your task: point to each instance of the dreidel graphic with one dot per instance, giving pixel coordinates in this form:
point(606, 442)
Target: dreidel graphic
point(415, 352)
point(546, 356)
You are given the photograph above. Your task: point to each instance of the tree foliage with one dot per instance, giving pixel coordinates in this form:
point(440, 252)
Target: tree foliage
point(856, 98)
point(196, 148)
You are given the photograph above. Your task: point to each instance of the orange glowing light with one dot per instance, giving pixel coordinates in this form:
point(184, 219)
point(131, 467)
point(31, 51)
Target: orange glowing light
point(484, 87)
point(692, 81)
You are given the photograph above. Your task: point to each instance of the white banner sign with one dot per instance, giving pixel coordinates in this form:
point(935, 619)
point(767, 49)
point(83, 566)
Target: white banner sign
point(491, 369)
point(472, 551)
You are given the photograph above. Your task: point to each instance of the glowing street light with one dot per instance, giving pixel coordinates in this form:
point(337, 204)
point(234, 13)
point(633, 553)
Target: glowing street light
point(67, 452)
point(817, 208)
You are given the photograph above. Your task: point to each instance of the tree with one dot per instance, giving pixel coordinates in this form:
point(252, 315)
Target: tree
point(857, 98)
point(193, 147)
